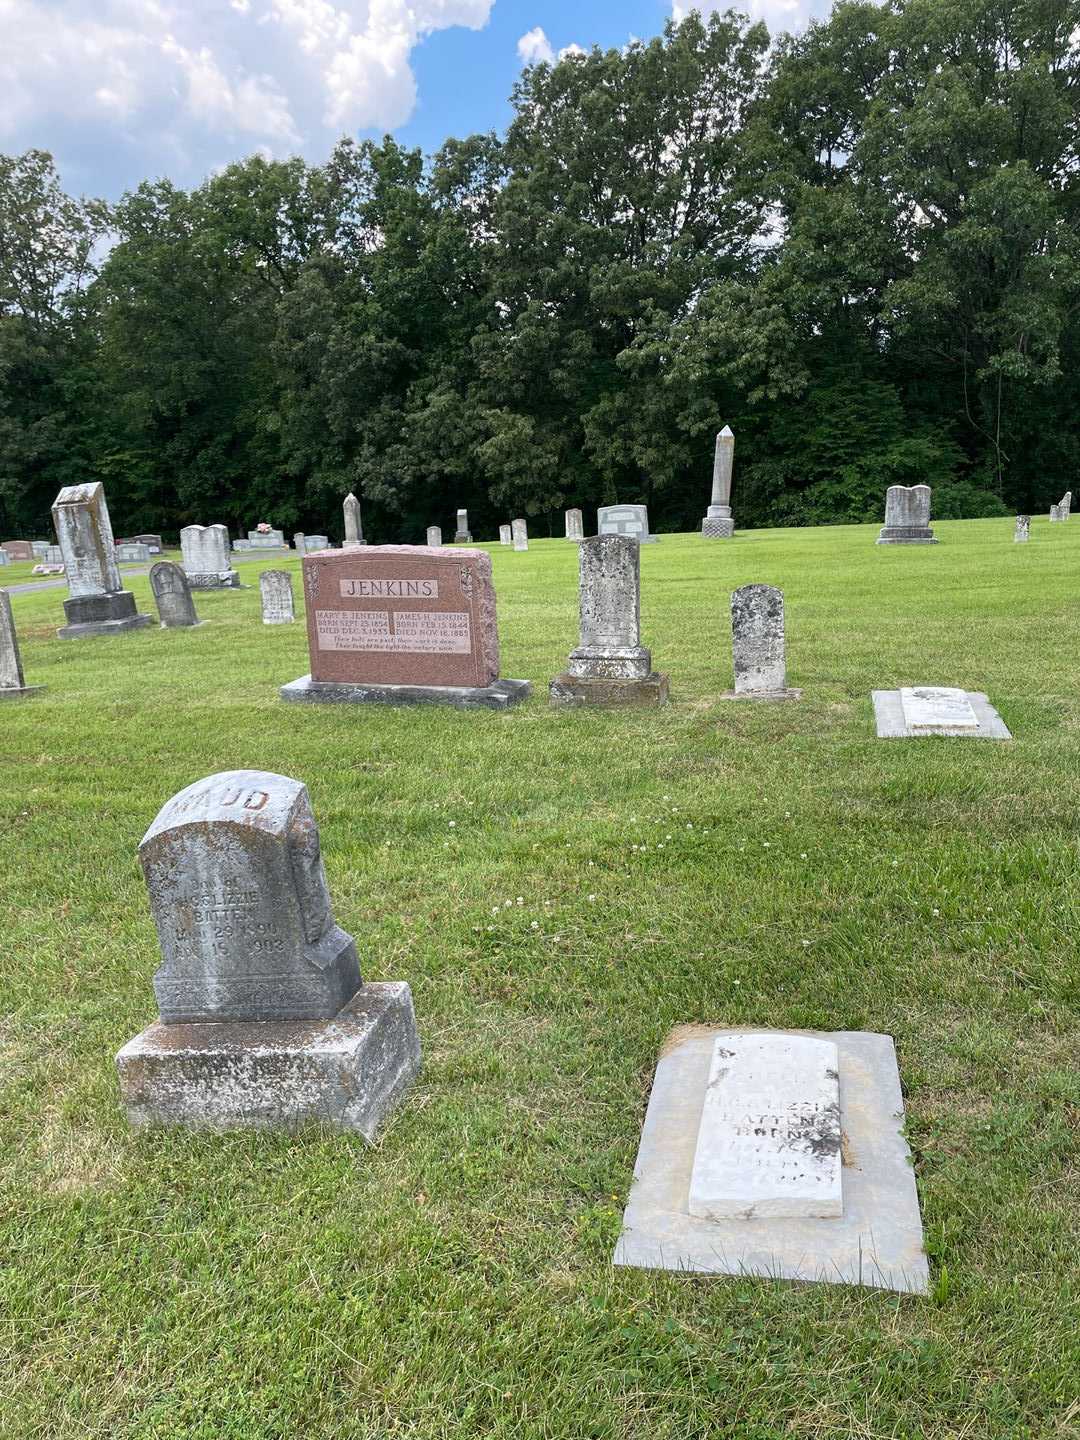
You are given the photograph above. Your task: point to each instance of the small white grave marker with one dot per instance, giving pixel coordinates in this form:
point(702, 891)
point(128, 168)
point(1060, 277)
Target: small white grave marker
point(769, 1140)
point(937, 707)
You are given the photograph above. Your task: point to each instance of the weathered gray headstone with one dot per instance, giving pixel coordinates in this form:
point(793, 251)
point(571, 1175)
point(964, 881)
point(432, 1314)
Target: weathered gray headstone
point(205, 556)
point(172, 593)
point(757, 634)
point(298, 542)
point(264, 1020)
point(354, 530)
point(153, 542)
point(506, 535)
point(575, 529)
point(268, 539)
point(54, 555)
point(1023, 528)
point(632, 520)
point(275, 587)
point(12, 683)
point(97, 603)
point(316, 542)
point(1055, 514)
point(1065, 505)
point(41, 549)
point(610, 666)
point(520, 532)
point(5, 558)
point(907, 516)
point(461, 534)
point(132, 552)
point(434, 536)
point(718, 524)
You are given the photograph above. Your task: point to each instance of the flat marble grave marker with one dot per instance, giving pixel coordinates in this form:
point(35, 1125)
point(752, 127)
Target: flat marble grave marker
point(769, 1141)
point(264, 1020)
point(936, 710)
point(827, 1105)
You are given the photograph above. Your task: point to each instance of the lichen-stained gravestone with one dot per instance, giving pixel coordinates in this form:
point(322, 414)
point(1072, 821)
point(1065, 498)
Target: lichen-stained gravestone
point(275, 588)
point(575, 529)
point(12, 684)
point(907, 516)
point(172, 595)
point(520, 532)
point(264, 1020)
point(757, 635)
point(205, 556)
point(239, 897)
point(610, 666)
point(403, 624)
point(97, 604)
point(1023, 529)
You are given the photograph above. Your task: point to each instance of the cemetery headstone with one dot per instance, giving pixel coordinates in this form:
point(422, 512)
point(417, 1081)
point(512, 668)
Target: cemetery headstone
point(129, 552)
point(1023, 528)
point(41, 549)
point(718, 524)
point(275, 587)
point(204, 551)
point(354, 530)
point(5, 558)
point(264, 537)
point(403, 624)
point(154, 542)
point(919, 710)
point(1055, 514)
point(506, 535)
point(1065, 505)
point(907, 516)
point(54, 555)
point(520, 532)
point(779, 1154)
point(298, 542)
point(575, 529)
point(461, 534)
point(19, 549)
point(757, 633)
point(97, 603)
point(265, 1022)
point(172, 594)
point(610, 666)
point(13, 686)
point(632, 520)
point(434, 536)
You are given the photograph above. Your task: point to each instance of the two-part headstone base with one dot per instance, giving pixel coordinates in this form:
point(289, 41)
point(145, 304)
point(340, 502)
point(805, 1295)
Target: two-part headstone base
point(109, 614)
point(610, 675)
point(499, 695)
point(348, 1072)
point(906, 535)
point(222, 580)
point(463, 538)
point(19, 692)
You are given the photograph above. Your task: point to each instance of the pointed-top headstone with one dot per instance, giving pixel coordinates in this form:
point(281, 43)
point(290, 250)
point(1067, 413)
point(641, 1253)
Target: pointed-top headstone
point(12, 683)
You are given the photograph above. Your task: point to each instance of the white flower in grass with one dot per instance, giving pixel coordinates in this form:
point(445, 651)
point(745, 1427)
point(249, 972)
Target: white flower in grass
point(591, 898)
point(935, 912)
point(534, 925)
point(803, 855)
point(494, 909)
point(766, 844)
point(453, 824)
point(520, 901)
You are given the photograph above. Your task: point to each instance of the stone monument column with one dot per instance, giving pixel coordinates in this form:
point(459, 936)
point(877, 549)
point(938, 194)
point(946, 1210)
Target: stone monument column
point(98, 604)
point(461, 534)
point(610, 666)
point(354, 531)
point(718, 524)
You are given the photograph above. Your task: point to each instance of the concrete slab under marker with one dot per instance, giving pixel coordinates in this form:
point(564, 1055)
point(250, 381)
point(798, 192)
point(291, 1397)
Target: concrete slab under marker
point(877, 1242)
point(892, 724)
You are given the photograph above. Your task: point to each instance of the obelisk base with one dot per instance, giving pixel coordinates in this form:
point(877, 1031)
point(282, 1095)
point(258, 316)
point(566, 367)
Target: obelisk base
point(109, 614)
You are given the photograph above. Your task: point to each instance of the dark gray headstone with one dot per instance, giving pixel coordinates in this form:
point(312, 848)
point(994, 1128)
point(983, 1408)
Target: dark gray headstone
point(239, 897)
point(172, 594)
point(632, 520)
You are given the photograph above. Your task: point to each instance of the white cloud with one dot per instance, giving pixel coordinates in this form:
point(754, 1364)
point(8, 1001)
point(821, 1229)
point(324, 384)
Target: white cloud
point(200, 79)
point(571, 50)
point(534, 48)
point(777, 14)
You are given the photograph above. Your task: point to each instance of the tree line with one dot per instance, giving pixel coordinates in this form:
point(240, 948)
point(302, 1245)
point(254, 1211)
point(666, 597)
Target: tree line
point(856, 246)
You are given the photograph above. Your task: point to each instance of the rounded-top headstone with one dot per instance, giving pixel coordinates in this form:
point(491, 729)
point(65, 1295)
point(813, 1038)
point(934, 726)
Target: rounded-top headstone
point(239, 897)
point(172, 594)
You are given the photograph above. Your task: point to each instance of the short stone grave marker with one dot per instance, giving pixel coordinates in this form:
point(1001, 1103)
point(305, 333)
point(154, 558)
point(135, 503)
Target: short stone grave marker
point(264, 1020)
point(506, 535)
point(1023, 529)
point(434, 536)
point(575, 529)
point(172, 594)
point(936, 710)
point(275, 588)
point(520, 531)
point(632, 520)
point(907, 516)
point(461, 534)
point(13, 685)
point(757, 634)
point(205, 557)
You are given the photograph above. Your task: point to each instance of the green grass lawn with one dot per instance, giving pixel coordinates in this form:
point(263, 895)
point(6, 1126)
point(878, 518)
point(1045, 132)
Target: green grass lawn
point(790, 870)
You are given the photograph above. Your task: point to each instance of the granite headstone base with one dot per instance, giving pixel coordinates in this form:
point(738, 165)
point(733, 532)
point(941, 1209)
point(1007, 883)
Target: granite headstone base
point(892, 723)
point(577, 690)
point(877, 1241)
point(349, 1072)
point(762, 695)
point(19, 692)
point(500, 695)
point(906, 535)
point(222, 580)
point(109, 614)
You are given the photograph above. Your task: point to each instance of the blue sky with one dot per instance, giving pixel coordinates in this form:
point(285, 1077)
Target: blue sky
point(122, 90)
